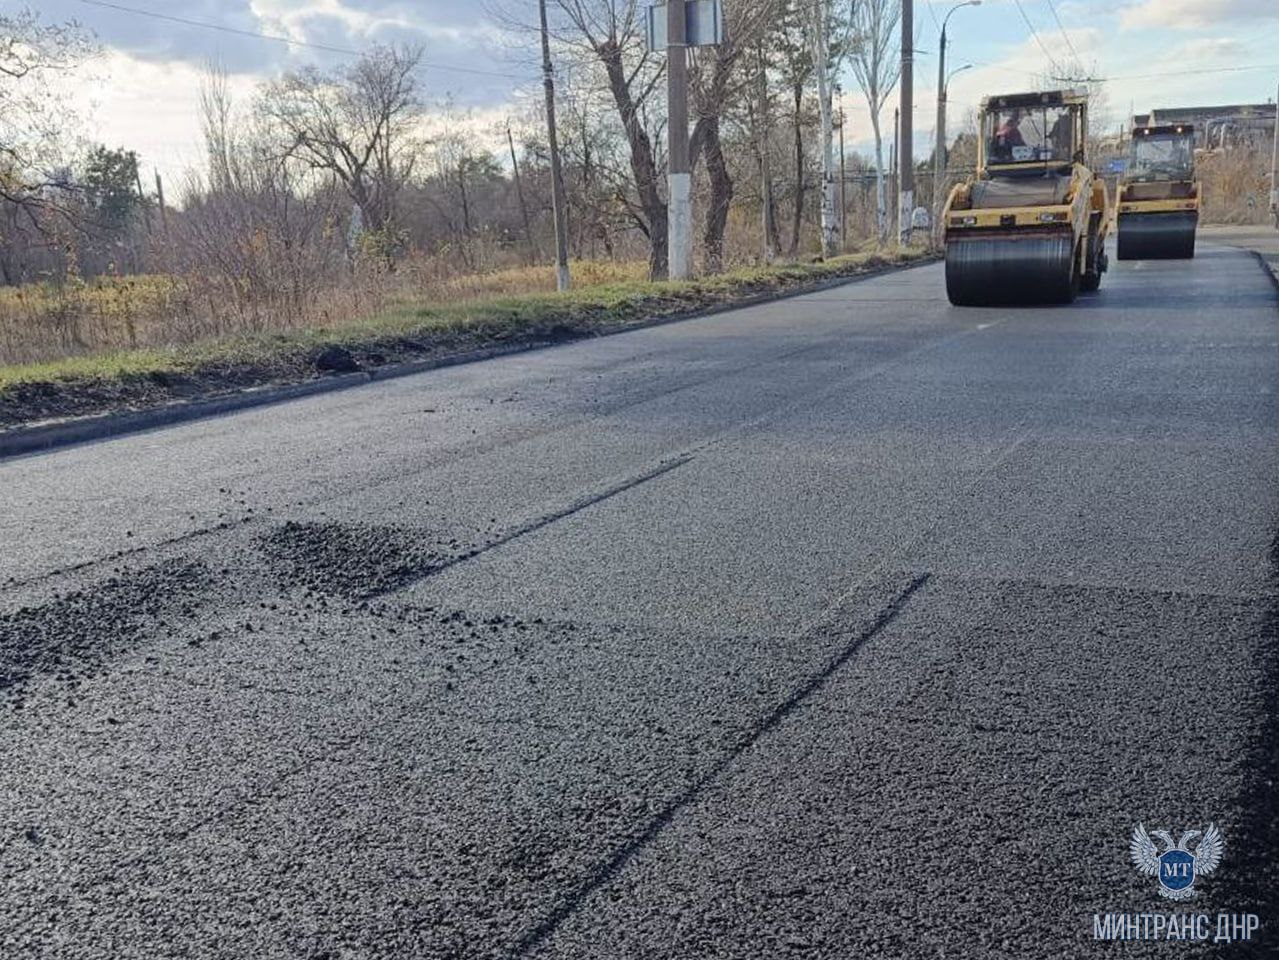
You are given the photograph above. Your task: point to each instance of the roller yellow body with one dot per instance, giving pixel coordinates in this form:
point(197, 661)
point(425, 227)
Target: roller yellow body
point(1031, 226)
point(1157, 209)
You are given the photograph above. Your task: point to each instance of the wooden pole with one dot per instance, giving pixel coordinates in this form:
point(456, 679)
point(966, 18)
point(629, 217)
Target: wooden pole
point(519, 192)
point(164, 210)
point(562, 279)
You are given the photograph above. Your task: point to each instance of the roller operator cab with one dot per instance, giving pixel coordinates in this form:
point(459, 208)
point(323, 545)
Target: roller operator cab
point(1030, 227)
point(1158, 203)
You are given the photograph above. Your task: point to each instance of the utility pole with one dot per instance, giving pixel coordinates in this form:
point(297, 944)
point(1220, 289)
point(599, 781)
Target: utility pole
point(519, 192)
point(939, 155)
point(905, 149)
point(765, 165)
point(557, 174)
point(843, 203)
point(164, 211)
point(821, 67)
point(1274, 167)
point(679, 179)
point(894, 180)
point(142, 198)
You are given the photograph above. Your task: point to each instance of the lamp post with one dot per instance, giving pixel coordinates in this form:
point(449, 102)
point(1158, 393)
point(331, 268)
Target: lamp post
point(939, 154)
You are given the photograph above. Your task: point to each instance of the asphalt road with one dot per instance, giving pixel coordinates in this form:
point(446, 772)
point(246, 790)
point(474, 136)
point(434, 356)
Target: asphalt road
point(855, 625)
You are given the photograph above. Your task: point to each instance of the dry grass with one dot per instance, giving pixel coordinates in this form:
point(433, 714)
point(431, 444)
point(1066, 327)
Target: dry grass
point(518, 281)
point(125, 329)
point(46, 322)
point(1236, 186)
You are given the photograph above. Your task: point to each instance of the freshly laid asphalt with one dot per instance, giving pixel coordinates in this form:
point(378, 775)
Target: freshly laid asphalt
point(854, 625)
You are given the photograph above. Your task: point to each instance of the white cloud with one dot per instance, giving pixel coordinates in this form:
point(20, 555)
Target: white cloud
point(152, 108)
point(1208, 51)
point(1196, 14)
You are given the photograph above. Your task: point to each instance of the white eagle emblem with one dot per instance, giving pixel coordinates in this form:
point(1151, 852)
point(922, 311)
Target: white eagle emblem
point(1177, 867)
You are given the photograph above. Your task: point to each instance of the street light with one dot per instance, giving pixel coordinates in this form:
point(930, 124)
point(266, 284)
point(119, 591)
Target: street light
point(939, 162)
point(946, 86)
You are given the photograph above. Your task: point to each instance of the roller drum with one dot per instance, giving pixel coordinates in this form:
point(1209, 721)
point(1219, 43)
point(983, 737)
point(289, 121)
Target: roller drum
point(1006, 268)
point(1157, 236)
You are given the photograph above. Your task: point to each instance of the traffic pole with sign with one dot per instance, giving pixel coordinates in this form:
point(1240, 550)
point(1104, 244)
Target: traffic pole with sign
point(679, 212)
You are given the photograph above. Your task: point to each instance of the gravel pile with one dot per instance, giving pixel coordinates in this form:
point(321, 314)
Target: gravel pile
point(78, 634)
point(355, 561)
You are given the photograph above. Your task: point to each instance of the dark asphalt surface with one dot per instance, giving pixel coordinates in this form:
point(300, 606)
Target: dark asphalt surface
point(856, 625)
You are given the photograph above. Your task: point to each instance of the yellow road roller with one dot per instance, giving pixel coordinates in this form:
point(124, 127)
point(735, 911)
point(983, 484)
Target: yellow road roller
point(1031, 226)
point(1158, 202)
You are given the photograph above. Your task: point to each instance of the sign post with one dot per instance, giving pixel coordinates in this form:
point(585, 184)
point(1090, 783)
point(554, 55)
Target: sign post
point(675, 26)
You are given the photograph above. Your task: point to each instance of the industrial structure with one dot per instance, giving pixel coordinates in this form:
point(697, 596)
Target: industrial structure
point(1217, 127)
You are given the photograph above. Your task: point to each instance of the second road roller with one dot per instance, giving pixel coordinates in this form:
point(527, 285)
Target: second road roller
point(1158, 197)
point(1031, 226)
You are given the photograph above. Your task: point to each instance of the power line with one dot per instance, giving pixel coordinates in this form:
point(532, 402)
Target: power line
point(1182, 73)
point(1065, 36)
point(1051, 62)
point(933, 13)
point(276, 38)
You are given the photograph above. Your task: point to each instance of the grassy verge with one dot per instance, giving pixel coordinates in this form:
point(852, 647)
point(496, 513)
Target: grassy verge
point(405, 331)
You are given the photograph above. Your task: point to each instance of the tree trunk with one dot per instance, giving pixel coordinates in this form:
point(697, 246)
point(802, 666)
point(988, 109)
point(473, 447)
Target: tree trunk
point(798, 221)
point(643, 166)
point(720, 200)
point(768, 210)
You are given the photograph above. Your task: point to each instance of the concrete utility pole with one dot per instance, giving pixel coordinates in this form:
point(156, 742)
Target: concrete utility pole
point(905, 148)
point(843, 178)
point(894, 180)
point(821, 67)
point(557, 174)
point(680, 182)
point(1274, 167)
point(939, 155)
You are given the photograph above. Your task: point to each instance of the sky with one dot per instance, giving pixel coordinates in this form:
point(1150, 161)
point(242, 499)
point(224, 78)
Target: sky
point(142, 91)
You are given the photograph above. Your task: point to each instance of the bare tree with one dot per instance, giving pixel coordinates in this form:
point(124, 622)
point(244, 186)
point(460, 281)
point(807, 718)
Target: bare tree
point(876, 63)
point(795, 64)
point(760, 117)
point(610, 31)
point(714, 84)
point(254, 240)
point(34, 116)
point(355, 124)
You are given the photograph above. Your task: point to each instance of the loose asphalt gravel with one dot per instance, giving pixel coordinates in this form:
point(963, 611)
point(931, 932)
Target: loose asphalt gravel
point(855, 625)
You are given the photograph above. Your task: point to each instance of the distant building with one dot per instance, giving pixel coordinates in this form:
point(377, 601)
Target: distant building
point(1231, 125)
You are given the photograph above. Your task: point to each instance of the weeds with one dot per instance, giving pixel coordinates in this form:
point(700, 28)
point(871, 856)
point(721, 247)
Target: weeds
point(134, 327)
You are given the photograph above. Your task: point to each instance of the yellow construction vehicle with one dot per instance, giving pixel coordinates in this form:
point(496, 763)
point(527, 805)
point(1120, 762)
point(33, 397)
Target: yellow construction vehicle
point(1158, 202)
point(1031, 227)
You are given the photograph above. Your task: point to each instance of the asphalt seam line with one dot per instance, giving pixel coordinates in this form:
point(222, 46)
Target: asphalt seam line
point(610, 868)
point(544, 520)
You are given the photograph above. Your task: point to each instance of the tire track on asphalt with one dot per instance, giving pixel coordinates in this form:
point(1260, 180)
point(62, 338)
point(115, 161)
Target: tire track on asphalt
point(610, 867)
point(546, 519)
point(998, 454)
